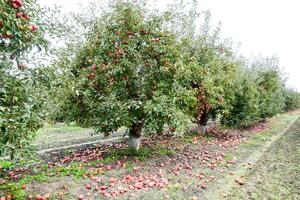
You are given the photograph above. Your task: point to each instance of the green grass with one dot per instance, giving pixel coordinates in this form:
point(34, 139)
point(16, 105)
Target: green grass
point(189, 138)
point(6, 165)
point(59, 128)
point(75, 170)
point(228, 157)
point(142, 154)
point(15, 188)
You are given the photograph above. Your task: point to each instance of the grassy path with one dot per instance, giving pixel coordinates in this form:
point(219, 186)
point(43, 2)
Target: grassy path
point(252, 156)
point(277, 173)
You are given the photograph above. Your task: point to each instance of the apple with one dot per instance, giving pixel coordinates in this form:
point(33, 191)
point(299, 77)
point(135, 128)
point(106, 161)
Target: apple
point(33, 27)
point(7, 36)
point(91, 76)
point(155, 39)
point(25, 16)
point(88, 186)
point(19, 14)
point(17, 4)
point(94, 67)
point(38, 197)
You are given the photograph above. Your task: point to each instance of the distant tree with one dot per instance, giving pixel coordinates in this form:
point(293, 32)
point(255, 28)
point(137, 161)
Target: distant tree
point(270, 84)
point(244, 105)
point(212, 70)
point(292, 99)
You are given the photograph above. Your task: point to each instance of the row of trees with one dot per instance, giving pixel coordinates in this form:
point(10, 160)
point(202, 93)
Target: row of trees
point(140, 70)
point(128, 67)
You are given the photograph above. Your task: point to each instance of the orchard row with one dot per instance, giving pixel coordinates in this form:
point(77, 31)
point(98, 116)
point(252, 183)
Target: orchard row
point(141, 71)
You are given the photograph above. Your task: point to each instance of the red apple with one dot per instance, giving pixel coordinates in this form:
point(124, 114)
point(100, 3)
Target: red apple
point(88, 186)
point(17, 4)
point(6, 36)
point(19, 14)
point(94, 67)
point(91, 76)
point(81, 197)
point(38, 197)
point(203, 186)
point(25, 16)
point(33, 27)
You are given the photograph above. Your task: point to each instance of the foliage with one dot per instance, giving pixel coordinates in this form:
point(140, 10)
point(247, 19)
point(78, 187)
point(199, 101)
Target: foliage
point(270, 85)
point(211, 69)
point(19, 28)
point(244, 107)
point(22, 31)
point(18, 115)
point(259, 93)
point(148, 71)
point(125, 73)
point(292, 99)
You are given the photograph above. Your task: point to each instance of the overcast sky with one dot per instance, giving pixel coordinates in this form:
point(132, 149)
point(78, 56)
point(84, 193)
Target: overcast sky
point(263, 27)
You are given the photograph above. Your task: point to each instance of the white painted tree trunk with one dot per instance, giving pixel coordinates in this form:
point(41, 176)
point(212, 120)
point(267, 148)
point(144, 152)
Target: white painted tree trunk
point(134, 143)
point(201, 129)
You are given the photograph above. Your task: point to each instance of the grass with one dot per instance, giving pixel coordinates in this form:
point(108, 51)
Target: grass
point(6, 165)
point(15, 188)
point(250, 152)
point(228, 157)
point(277, 125)
point(75, 170)
point(142, 154)
point(275, 174)
point(189, 138)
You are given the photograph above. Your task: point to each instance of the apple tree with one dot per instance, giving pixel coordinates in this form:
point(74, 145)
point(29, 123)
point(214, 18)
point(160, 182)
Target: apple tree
point(258, 93)
point(22, 29)
point(270, 84)
point(125, 75)
point(292, 99)
point(212, 68)
point(244, 105)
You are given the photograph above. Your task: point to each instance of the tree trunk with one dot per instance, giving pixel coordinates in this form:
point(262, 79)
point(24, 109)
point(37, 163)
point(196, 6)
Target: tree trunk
point(135, 133)
point(134, 143)
point(201, 129)
point(202, 122)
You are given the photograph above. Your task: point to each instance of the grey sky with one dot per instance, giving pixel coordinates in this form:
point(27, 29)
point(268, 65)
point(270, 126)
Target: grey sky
point(263, 27)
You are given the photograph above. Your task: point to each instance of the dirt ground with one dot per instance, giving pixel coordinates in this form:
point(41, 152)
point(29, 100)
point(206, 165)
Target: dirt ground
point(58, 135)
point(276, 175)
point(260, 163)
